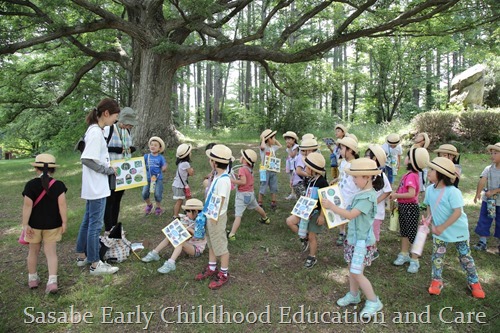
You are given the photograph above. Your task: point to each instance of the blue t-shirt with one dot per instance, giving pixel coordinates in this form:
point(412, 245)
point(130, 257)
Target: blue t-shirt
point(451, 199)
point(361, 227)
point(154, 165)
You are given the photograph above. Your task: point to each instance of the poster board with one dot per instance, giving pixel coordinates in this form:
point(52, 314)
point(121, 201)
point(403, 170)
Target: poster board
point(272, 163)
point(176, 233)
point(130, 173)
point(214, 207)
point(332, 193)
point(304, 207)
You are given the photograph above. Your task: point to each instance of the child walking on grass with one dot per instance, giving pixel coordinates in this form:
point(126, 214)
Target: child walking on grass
point(359, 246)
point(449, 225)
point(409, 211)
point(268, 147)
point(155, 167)
point(184, 171)
point(340, 133)
point(44, 219)
point(245, 196)
point(292, 149)
point(450, 152)
point(193, 247)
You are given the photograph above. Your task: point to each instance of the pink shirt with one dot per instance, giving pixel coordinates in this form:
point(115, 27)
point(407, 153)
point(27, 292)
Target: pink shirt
point(409, 180)
point(248, 186)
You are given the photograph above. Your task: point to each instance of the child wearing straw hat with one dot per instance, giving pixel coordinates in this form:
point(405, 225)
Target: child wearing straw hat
point(44, 218)
point(193, 247)
point(359, 246)
point(268, 147)
point(184, 171)
point(220, 159)
point(450, 152)
point(292, 148)
point(449, 225)
point(393, 151)
point(300, 176)
point(245, 196)
point(422, 140)
point(155, 167)
point(489, 182)
point(340, 133)
point(315, 168)
point(409, 211)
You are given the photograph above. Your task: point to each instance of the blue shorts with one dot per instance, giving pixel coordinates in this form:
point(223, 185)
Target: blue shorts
point(484, 223)
point(158, 191)
point(271, 182)
point(389, 173)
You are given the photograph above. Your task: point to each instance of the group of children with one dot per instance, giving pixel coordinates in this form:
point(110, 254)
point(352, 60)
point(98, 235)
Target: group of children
point(364, 182)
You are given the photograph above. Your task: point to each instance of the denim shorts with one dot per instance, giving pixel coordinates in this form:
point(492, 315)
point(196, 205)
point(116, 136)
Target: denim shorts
point(271, 182)
point(158, 191)
point(243, 201)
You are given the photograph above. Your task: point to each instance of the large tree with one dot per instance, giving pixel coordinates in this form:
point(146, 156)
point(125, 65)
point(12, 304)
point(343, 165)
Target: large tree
point(152, 39)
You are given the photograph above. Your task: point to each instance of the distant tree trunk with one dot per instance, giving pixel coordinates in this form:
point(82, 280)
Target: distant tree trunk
point(208, 95)
point(182, 107)
point(199, 94)
point(188, 97)
point(429, 98)
point(174, 100)
point(416, 88)
point(217, 93)
point(346, 85)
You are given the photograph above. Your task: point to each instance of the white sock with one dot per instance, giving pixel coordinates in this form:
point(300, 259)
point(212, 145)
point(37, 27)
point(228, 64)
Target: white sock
point(32, 277)
point(212, 265)
point(171, 260)
point(52, 279)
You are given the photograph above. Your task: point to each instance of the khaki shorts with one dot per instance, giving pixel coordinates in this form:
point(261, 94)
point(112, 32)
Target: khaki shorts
point(48, 236)
point(216, 236)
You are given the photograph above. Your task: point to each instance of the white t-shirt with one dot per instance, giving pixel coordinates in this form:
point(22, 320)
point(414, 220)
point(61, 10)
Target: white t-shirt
point(223, 189)
point(346, 184)
point(95, 185)
point(381, 205)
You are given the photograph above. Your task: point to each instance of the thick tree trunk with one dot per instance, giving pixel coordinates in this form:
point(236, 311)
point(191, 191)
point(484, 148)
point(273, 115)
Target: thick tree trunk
point(152, 95)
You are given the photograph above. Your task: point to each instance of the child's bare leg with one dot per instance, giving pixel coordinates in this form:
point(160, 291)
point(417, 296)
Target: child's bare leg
point(163, 244)
point(292, 222)
point(236, 224)
point(405, 245)
point(365, 286)
point(51, 255)
point(261, 212)
point(178, 250)
point(313, 244)
point(177, 207)
point(34, 251)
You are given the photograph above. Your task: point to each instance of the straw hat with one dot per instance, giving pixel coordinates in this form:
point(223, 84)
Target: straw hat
point(447, 149)
point(220, 153)
point(393, 139)
point(249, 155)
point(341, 127)
point(42, 159)
point(419, 158)
point(379, 154)
point(193, 204)
point(444, 166)
point(128, 117)
point(350, 135)
point(308, 136)
point(496, 147)
point(308, 144)
point(315, 161)
point(266, 134)
point(363, 167)
point(160, 141)
point(427, 141)
point(291, 134)
point(349, 143)
point(183, 150)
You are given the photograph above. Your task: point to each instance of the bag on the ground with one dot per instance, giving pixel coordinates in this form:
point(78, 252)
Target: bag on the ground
point(114, 247)
point(394, 220)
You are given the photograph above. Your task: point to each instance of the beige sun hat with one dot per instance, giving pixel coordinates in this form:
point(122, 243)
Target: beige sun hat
point(308, 136)
point(290, 134)
point(496, 147)
point(419, 158)
point(315, 161)
point(349, 143)
point(220, 153)
point(193, 204)
point(341, 127)
point(393, 139)
point(308, 144)
point(42, 159)
point(447, 149)
point(183, 150)
point(444, 166)
point(379, 153)
point(363, 167)
point(350, 135)
point(427, 141)
point(160, 141)
point(128, 116)
point(249, 155)
point(266, 134)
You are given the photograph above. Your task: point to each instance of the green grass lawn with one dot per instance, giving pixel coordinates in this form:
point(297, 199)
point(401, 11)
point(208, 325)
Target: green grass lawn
point(268, 284)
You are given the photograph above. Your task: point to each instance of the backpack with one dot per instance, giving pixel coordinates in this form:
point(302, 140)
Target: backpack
point(114, 247)
point(80, 145)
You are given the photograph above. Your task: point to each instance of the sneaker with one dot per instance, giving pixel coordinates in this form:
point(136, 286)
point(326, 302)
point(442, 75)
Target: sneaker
point(371, 308)
point(414, 266)
point(82, 262)
point(291, 196)
point(207, 273)
point(401, 259)
point(273, 205)
point(480, 246)
point(151, 256)
point(349, 299)
point(435, 287)
point(375, 255)
point(220, 280)
point(148, 209)
point(305, 244)
point(340, 240)
point(310, 262)
point(477, 291)
point(167, 267)
point(266, 220)
point(158, 211)
point(103, 268)
point(51, 288)
point(34, 283)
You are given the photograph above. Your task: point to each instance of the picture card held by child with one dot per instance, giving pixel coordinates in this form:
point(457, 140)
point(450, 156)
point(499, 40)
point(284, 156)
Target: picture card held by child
point(272, 163)
point(304, 207)
point(176, 233)
point(329, 141)
point(214, 207)
point(332, 193)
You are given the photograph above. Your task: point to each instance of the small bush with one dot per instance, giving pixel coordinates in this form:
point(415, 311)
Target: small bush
point(440, 126)
point(483, 126)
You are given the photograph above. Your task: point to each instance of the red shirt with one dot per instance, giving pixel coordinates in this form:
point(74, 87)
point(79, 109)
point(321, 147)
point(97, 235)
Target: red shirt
point(248, 186)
